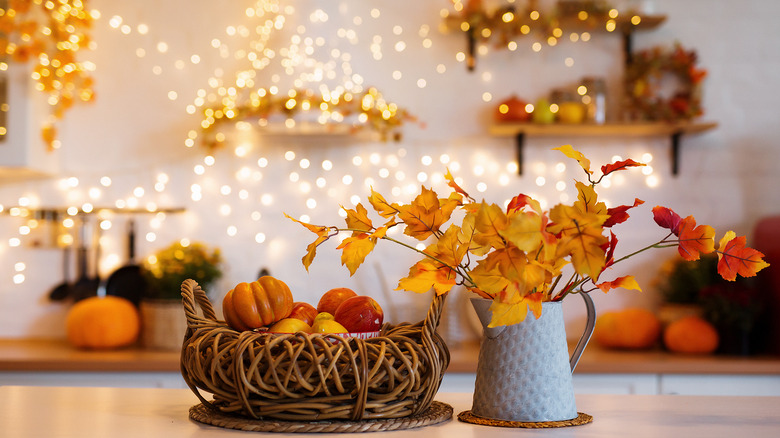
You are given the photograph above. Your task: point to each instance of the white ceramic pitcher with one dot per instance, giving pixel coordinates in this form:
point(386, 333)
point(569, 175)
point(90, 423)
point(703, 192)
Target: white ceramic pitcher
point(524, 370)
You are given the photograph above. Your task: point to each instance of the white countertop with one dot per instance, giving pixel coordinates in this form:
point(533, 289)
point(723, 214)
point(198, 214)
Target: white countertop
point(52, 412)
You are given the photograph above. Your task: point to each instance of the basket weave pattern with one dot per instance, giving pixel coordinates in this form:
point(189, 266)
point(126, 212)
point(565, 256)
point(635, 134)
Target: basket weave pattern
point(311, 377)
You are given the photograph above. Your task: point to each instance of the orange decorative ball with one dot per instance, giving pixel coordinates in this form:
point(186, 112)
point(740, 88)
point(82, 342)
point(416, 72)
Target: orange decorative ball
point(632, 328)
point(102, 323)
point(691, 335)
point(259, 303)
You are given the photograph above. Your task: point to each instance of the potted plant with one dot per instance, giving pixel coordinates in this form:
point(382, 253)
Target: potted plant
point(522, 259)
point(736, 308)
point(680, 283)
point(163, 322)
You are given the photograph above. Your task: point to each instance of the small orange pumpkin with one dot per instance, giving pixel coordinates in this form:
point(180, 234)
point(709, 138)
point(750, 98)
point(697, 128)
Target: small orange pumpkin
point(691, 335)
point(259, 303)
point(632, 328)
point(102, 323)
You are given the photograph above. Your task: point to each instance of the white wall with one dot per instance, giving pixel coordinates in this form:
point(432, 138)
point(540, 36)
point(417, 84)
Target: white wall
point(133, 132)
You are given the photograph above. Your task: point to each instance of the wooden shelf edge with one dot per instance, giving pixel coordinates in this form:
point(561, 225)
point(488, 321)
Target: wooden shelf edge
point(605, 130)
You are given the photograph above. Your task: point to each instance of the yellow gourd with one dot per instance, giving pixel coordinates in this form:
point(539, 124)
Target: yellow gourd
point(102, 323)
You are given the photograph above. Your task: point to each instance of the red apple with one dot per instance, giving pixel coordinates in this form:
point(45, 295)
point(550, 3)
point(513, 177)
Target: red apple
point(331, 299)
point(303, 311)
point(360, 314)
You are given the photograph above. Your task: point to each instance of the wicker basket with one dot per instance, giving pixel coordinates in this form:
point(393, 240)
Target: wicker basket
point(311, 377)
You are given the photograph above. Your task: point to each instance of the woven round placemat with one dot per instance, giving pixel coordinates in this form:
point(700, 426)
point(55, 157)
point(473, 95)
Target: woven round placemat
point(468, 417)
point(437, 413)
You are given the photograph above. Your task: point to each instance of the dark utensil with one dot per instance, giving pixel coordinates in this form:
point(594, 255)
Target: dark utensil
point(85, 286)
point(64, 289)
point(128, 282)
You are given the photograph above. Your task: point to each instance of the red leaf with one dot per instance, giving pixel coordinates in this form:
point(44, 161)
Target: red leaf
point(609, 249)
point(619, 214)
point(619, 165)
point(518, 202)
point(668, 219)
point(695, 240)
point(737, 259)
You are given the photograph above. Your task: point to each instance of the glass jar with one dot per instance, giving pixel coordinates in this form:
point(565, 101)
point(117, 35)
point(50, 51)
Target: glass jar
point(594, 96)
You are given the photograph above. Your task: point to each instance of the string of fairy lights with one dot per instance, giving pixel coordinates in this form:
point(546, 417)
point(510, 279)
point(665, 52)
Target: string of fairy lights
point(304, 81)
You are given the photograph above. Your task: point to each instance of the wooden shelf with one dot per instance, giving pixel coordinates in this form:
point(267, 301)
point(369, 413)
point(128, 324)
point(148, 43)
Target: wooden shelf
point(624, 26)
point(658, 129)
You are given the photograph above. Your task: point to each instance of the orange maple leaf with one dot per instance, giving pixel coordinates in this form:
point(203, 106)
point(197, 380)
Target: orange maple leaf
point(619, 165)
point(451, 182)
point(358, 219)
point(734, 258)
point(626, 282)
point(426, 214)
point(695, 240)
point(381, 206)
point(311, 249)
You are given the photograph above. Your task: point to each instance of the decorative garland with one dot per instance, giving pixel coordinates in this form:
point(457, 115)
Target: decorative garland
point(50, 33)
point(643, 72)
point(371, 109)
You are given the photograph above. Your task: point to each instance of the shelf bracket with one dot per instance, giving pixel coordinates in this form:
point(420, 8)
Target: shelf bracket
point(676, 152)
point(628, 46)
point(519, 143)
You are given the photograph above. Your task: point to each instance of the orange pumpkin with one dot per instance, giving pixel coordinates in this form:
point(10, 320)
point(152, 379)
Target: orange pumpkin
point(259, 303)
point(102, 323)
point(512, 110)
point(691, 335)
point(632, 328)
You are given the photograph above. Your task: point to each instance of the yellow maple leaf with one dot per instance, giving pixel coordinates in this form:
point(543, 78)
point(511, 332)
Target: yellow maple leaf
point(358, 219)
point(570, 152)
point(508, 270)
point(581, 238)
point(587, 199)
point(489, 221)
point(354, 251)
point(514, 310)
point(436, 270)
point(381, 206)
point(524, 230)
point(426, 275)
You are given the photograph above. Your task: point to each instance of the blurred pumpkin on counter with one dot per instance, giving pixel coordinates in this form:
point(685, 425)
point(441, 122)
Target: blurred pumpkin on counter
point(691, 335)
point(630, 329)
point(102, 323)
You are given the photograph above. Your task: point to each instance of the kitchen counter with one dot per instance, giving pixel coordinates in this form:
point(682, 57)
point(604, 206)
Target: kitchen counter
point(132, 412)
point(46, 355)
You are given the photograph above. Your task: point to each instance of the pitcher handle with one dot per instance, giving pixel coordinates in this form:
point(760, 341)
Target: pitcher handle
point(589, 326)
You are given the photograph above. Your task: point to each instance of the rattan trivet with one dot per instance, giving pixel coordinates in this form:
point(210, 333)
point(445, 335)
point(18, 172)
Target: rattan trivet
point(468, 417)
point(438, 413)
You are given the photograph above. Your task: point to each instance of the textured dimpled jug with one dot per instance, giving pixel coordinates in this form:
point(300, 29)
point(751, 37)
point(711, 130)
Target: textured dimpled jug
point(524, 370)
